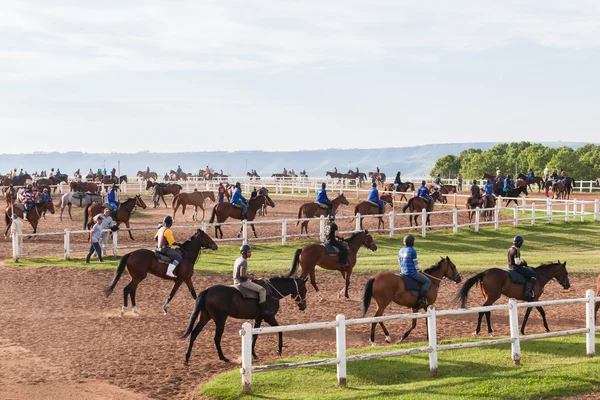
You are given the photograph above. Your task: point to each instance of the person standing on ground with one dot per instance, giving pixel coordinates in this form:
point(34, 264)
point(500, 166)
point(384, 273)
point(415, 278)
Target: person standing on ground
point(459, 181)
point(16, 228)
point(95, 239)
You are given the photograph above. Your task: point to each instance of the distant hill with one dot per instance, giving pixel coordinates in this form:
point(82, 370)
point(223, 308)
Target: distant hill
point(412, 161)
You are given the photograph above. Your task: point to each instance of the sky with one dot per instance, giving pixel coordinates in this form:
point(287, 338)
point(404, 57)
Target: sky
point(168, 76)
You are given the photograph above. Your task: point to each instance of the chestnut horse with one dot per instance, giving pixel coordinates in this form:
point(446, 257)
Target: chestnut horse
point(195, 199)
point(222, 211)
point(315, 254)
point(495, 282)
point(314, 210)
point(538, 180)
point(122, 215)
point(89, 187)
point(20, 180)
point(417, 204)
point(386, 287)
point(165, 188)
point(33, 216)
point(403, 188)
point(10, 195)
point(143, 261)
point(368, 208)
point(147, 175)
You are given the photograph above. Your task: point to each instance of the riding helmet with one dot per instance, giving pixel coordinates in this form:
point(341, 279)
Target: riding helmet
point(518, 240)
point(245, 248)
point(237, 184)
point(409, 240)
point(168, 221)
point(331, 217)
point(423, 183)
point(374, 184)
point(323, 185)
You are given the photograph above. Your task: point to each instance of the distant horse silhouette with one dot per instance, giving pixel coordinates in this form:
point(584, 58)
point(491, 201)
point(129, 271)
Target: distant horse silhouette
point(368, 208)
point(89, 187)
point(222, 211)
point(147, 175)
point(20, 181)
point(403, 188)
point(165, 188)
point(313, 210)
point(537, 180)
point(195, 199)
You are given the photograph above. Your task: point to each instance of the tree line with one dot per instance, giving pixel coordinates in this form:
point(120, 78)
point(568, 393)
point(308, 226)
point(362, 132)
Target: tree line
point(581, 164)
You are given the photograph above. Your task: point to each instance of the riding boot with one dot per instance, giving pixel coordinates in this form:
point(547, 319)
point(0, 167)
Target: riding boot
point(25, 215)
point(529, 288)
point(422, 301)
point(264, 311)
point(170, 270)
point(243, 215)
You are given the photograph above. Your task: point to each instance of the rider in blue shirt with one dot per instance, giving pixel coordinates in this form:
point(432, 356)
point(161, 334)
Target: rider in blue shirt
point(407, 258)
point(423, 192)
point(323, 199)
point(237, 198)
point(531, 175)
point(507, 184)
point(488, 188)
point(179, 170)
point(112, 198)
point(374, 197)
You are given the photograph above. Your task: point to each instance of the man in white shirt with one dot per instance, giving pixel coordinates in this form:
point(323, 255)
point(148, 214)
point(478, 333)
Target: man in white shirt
point(107, 223)
point(17, 228)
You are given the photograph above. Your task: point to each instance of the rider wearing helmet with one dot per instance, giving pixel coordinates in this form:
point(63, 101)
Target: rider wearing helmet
point(397, 180)
point(515, 263)
point(507, 184)
point(498, 174)
point(333, 240)
point(409, 266)
point(241, 278)
point(28, 200)
point(323, 199)
point(165, 240)
point(423, 192)
point(112, 198)
point(438, 180)
point(374, 197)
point(237, 198)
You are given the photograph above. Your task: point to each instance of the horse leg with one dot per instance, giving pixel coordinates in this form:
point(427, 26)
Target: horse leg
point(257, 323)
point(162, 196)
point(347, 286)
point(127, 225)
point(171, 295)
point(125, 296)
point(413, 325)
point(204, 318)
point(69, 205)
point(220, 328)
point(525, 320)
point(253, 230)
point(273, 322)
point(304, 227)
point(190, 286)
point(313, 281)
point(380, 309)
point(543, 314)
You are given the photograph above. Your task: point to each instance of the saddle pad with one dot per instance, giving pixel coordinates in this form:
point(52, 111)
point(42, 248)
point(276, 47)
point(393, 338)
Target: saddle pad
point(250, 294)
point(236, 205)
point(19, 206)
point(411, 285)
point(322, 205)
point(516, 277)
point(373, 203)
point(161, 257)
point(331, 250)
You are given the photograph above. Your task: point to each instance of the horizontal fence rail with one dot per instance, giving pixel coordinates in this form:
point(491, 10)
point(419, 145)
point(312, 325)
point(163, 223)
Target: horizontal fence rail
point(341, 324)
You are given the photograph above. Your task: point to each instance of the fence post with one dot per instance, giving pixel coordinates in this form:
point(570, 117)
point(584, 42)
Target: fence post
point(496, 216)
point(340, 348)
point(516, 216)
point(423, 222)
point(454, 200)
point(115, 240)
point(515, 346)
point(15, 246)
point(283, 231)
point(391, 223)
point(591, 183)
point(245, 231)
point(322, 228)
point(550, 210)
point(499, 201)
point(582, 210)
point(67, 243)
point(432, 333)
point(566, 210)
point(203, 225)
point(590, 324)
point(574, 208)
point(477, 215)
point(596, 209)
point(580, 186)
point(357, 225)
point(141, 185)
point(533, 213)
point(357, 191)
point(246, 369)
point(454, 220)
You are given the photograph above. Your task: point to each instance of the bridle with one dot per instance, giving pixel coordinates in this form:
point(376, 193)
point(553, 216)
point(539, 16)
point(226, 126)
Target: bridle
point(297, 299)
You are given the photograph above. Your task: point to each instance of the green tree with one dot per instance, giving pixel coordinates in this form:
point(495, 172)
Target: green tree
point(565, 158)
point(590, 164)
point(447, 166)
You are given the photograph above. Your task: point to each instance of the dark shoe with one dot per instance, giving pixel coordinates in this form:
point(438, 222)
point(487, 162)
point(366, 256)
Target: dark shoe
point(422, 301)
point(529, 288)
point(264, 311)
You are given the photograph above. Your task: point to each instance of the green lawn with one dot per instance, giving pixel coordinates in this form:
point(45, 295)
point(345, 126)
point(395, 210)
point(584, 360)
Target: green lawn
point(576, 242)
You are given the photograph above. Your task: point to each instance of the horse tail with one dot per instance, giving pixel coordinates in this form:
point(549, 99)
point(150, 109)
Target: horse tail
point(300, 213)
point(198, 307)
point(213, 214)
point(86, 214)
point(175, 198)
point(367, 295)
point(294, 266)
point(118, 273)
point(463, 293)
point(6, 219)
point(405, 207)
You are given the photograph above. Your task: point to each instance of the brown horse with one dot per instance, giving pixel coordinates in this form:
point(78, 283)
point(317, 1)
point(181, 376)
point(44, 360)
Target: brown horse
point(21, 180)
point(142, 261)
point(165, 188)
point(368, 208)
point(314, 210)
point(417, 204)
point(222, 211)
point(182, 176)
point(559, 190)
point(386, 287)
point(403, 188)
point(122, 215)
point(315, 254)
point(33, 216)
point(488, 201)
point(537, 180)
point(471, 204)
point(195, 199)
point(495, 282)
point(89, 187)
point(147, 175)
point(10, 194)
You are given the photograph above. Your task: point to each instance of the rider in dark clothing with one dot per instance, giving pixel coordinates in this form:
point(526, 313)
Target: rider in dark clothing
point(332, 239)
point(397, 180)
point(475, 191)
point(515, 263)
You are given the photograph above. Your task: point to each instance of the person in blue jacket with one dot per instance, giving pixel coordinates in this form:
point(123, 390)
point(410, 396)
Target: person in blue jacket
point(531, 175)
point(323, 199)
point(489, 187)
point(423, 192)
point(237, 198)
point(507, 184)
point(374, 197)
point(112, 198)
point(409, 266)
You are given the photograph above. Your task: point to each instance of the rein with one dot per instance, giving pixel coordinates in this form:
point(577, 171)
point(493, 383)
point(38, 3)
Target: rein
point(433, 277)
point(291, 300)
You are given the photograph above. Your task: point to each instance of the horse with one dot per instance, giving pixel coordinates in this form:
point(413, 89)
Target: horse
point(314, 210)
point(147, 175)
point(559, 190)
point(195, 199)
point(33, 216)
point(495, 282)
point(143, 261)
point(165, 188)
point(316, 254)
point(368, 208)
point(10, 194)
point(51, 181)
point(89, 187)
point(122, 215)
point(513, 194)
point(488, 201)
point(219, 302)
point(18, 181)
point(403, 188)
point(333, 175)
point(386, 287)
point(493, 178)
point(538, 180)
point(598, 181)
point(222, 211)
point(78, 198)
point(417, 204)
point(471, 204)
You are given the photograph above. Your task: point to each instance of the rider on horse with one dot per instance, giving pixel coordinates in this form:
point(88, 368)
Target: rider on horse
point(563, 175)
point(165, 240)
point(323, 199)
point(546, 174)
point(438, 181)
point(515, 263)
point(489, 188)
point(498, 173)
point(397, 180)
point(508, 184)
point(179, 170)
point(332, 239)
point(475, 191)
point(45, 195)
point(241, 278)
point(373, 197)
point(237, 198)
point(409, 266)
point(531, 175)
point(28, 201)
point(424, 192)
point(221, 192)
point(112, 198)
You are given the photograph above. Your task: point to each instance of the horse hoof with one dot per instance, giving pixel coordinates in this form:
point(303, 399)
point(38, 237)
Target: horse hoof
point(348, 298)
point(225, 359)
point(475, 334)
point(372, 343)
point(388, 339)
point(492, 334)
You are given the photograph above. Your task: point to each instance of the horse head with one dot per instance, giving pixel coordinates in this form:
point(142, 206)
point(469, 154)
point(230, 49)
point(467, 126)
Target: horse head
point(451, 271)
point(206, 241)
point(368, 241)
point(341, 199)
point(139, 202)
point(295, 287)
point(267, 200)
point(561, 275)
point(50, 205)
point(211, 196)
point(149, 184)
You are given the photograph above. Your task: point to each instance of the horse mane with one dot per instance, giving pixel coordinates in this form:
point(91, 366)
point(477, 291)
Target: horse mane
point(548, 264)
point(354, 235)
point(435, 267)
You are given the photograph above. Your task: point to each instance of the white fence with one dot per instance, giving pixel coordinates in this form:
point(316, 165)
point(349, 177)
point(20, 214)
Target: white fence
point(548, 210)
point(340, 325)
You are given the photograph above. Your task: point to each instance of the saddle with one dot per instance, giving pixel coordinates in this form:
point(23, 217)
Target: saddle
point(516, 277)
point(236, 205)
point(333, 250)
point(161, 257)
point(373, 203)
point(412, 285)
point(322, 205)
point(250, 294)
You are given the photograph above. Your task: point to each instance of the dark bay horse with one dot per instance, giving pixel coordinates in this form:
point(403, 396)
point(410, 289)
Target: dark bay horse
point(417, 204)
point(165, 188)
point(195, 199)
point(89, 187)
point(537, 180)
point(403, 188)
point(495, 282)
point(33, 216)
point(368, 208)
point(222, 211)
point(122, 215)
point(10, 195)
point(386, 287)
point(219, 302)
point(20, 181)
point(315, 254)
point(514, 194)
point(313, 210)
point(142, 261)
